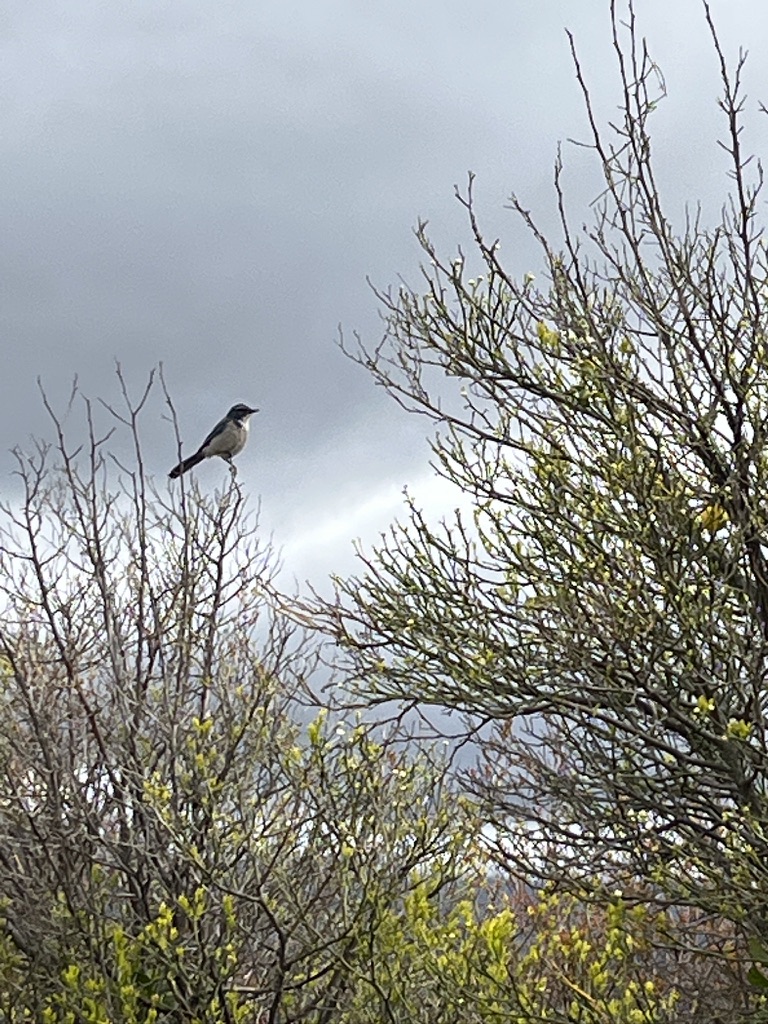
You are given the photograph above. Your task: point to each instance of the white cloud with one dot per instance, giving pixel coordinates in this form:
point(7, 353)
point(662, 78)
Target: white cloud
point(322, 542)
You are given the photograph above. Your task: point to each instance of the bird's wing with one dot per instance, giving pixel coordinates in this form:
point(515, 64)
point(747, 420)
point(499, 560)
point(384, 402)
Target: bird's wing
point(218, 429)
point(227, 441)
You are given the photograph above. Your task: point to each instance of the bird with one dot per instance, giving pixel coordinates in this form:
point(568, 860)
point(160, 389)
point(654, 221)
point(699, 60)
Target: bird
point(226, 439)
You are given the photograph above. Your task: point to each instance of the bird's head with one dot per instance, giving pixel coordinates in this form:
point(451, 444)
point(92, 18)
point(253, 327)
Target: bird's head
point(240, 412)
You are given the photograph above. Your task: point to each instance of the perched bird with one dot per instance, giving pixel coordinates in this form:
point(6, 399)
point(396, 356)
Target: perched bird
point(226, 439)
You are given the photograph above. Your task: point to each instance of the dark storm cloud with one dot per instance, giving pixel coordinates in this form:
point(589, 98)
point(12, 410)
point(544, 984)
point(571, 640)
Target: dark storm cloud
point(182, 177)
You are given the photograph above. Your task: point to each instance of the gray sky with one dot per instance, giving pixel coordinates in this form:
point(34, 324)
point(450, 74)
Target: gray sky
point(208, 184)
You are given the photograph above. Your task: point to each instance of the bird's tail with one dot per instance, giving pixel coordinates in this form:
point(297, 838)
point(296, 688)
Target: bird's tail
point(186, 464)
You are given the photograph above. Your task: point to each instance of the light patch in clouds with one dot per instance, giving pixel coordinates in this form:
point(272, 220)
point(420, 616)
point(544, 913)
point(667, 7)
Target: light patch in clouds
point(323, 543)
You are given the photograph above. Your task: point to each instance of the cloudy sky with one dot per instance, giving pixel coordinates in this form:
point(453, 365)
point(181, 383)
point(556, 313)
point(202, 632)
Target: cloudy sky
point(209, 184)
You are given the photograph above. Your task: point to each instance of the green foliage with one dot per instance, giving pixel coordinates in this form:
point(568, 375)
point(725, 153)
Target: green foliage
point(141, 979)
point(606, 603)
point(545, 958)
point(756, 975)
point(180, 843)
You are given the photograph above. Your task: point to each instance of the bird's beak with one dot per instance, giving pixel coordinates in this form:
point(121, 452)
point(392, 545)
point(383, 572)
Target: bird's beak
point(253, 410)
